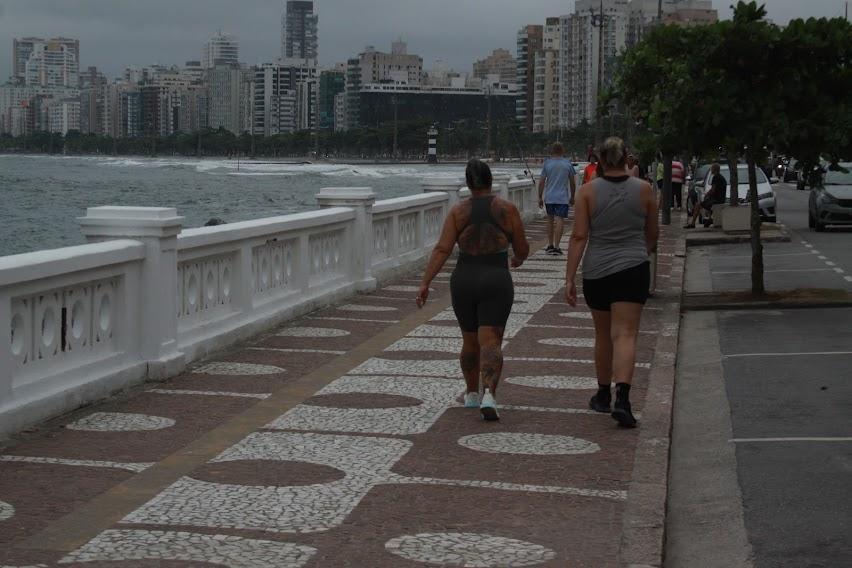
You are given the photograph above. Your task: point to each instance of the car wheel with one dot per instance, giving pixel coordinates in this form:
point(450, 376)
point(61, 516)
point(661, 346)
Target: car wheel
point(811, 222)
point(800, 185)
point(819, 227)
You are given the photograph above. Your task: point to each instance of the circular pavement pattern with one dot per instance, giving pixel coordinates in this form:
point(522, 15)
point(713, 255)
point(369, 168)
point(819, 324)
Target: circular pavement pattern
point(238, 369)
point(365, 308)
point(555, 382)
point(405, 289)
point(528, 444)
point(312, 332)
point(120, 422)
point(577, 315)
point(6, 511)
point(568, 342)
point(471, 550)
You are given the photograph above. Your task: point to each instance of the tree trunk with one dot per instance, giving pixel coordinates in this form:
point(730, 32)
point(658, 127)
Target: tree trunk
point(733, 181)
point(667, 189)
point(757, 286)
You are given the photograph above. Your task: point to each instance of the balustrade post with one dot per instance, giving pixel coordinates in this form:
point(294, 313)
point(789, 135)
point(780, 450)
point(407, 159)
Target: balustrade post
point(361, 199)
point(500, 186)
point(157, 228)
point(6, 365)
point(450, 186)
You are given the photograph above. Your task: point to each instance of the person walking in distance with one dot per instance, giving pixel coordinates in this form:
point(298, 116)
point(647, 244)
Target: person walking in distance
point(484, 227)
point(557, 176)
point(591, 170)
point(678, 176)
point(615, 230)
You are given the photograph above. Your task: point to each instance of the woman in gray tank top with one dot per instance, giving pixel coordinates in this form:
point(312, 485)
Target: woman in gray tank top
point(615, 230)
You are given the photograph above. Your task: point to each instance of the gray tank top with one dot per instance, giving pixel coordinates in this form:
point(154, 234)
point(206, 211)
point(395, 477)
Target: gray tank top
point(617, 231)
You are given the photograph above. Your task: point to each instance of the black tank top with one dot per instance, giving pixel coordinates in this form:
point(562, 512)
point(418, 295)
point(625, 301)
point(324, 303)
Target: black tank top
point(480, 214)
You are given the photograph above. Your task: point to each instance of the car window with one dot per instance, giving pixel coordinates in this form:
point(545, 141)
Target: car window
point(839, 178)
point(742, 174)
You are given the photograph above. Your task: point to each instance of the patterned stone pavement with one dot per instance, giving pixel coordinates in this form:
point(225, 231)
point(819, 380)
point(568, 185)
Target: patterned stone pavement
point(337, 440)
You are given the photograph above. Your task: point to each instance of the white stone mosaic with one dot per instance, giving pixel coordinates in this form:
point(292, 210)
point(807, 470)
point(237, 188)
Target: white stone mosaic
point(568, 342)
point(436, 395)
point(442, 345)
point(546, 409)
point(559, 360)
point(366, 462)
point(412, 289)
point(363, 320)
point(577, 315)
point(427, 330)
point(420, 368)
point(134, 467)
point(312, 332)
point(366, 308)
point(528, 444)
point(237, 369)
point(223, 550)
point(7, 511)
point(471, 550)
point(555, 382)
point(260, 396)
point(538, 286)
point(120, 422)
point(283, 350)
point(613, 494)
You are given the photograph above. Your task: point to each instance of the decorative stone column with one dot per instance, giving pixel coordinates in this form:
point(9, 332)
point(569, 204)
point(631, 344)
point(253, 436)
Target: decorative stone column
point(501, 185)
point(157, 228)
point(450, 186)
point(361, 199)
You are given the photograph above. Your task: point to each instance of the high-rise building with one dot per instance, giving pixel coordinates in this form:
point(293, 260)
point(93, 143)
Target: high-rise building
point(332, 83)
point(299, 38)
point(221, 48)
point(63, 116)
point(530, 40)
point(546, 79)
point(57, 68)
point(589, 48)
point(230, 91)
point(500, 63)
point(398, 67)
point(194, 71)
point(92, 93)
point(340, 112)
point(276, 94)
point(644, 15)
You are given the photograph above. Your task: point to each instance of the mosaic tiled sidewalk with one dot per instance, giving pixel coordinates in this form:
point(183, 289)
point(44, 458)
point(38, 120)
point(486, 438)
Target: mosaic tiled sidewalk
point(338, 441)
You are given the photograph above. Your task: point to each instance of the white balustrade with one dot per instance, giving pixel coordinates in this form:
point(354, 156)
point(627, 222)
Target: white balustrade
point(522, 192)
point(145, 297)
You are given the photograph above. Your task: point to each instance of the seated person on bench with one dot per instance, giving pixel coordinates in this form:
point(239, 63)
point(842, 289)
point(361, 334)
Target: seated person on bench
point(714, 196)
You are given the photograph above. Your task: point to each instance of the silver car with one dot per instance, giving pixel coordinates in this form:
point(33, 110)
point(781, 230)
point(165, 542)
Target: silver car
point(765, 193)
point(831, 202)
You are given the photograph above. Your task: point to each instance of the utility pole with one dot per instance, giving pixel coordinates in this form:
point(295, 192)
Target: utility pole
point(395, 126)
point(598, 20)
point(488, 124)
point(660, 11)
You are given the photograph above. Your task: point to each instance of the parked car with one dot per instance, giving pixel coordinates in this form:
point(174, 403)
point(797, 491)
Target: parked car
point(765, 193)
point(831, 202)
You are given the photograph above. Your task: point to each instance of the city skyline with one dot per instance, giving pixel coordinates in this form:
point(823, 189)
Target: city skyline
point(119, 37)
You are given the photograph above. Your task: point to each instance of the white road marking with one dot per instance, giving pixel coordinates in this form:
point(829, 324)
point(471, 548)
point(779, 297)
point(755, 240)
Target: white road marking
point(848, 278)
point(829, 263)
point(821, 257)
point(775, 255)
point(787, 354)
point(815, 439)
point(839, 270)
point(786, 270)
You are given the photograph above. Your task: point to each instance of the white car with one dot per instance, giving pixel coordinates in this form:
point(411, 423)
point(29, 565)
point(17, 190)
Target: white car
point(765, 193)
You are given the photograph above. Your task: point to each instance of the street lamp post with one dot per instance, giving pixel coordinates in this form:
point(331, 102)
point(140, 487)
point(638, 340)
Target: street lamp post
point(599, 21)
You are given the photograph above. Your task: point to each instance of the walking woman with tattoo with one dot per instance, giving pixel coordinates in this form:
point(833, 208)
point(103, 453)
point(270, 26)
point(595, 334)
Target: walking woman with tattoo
point(616, 216)
point(484, 227)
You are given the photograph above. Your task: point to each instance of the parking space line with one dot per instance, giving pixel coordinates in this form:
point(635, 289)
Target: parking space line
point(786, 354)
point(838, 270)
point(751, 440)
point(848, 278)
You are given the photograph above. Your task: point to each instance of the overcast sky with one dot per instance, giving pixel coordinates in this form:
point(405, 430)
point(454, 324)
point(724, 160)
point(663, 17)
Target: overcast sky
point(116, 33)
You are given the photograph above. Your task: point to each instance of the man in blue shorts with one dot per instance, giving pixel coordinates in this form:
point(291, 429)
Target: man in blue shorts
point(557, 176)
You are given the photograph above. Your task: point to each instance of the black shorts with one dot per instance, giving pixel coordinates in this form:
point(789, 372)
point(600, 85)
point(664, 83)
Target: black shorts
point(482, 291)
point(629, 285)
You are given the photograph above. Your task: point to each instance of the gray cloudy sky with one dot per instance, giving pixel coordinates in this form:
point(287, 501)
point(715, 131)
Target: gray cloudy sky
point(117, 33)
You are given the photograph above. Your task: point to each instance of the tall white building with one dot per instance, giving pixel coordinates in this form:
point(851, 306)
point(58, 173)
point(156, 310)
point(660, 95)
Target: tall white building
point(547, 79)
point(46, 63)
point(221, 48)
point(590, 45)
point(63, 115)
point(280, 104)
point(230, 97)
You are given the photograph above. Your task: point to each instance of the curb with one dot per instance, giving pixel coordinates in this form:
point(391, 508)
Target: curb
point(773, 237)
point(643, 535)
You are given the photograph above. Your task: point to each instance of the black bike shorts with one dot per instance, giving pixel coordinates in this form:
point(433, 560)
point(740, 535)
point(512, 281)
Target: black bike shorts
point(482, 291)
point(629, 285)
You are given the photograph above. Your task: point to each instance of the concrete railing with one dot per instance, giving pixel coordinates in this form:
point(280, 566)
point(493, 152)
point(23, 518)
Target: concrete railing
point(145, 298)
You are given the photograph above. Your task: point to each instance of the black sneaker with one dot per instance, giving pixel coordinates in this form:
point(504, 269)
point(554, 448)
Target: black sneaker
point(600, 402)
point(557, 250)
point(621, 414)
point(549, 249)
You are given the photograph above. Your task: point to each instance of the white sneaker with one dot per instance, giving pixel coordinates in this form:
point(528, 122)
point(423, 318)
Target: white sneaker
point(488, 407)
point(471, 400)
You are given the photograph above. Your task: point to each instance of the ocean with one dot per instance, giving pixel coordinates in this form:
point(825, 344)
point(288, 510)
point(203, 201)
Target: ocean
point(42, 196)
